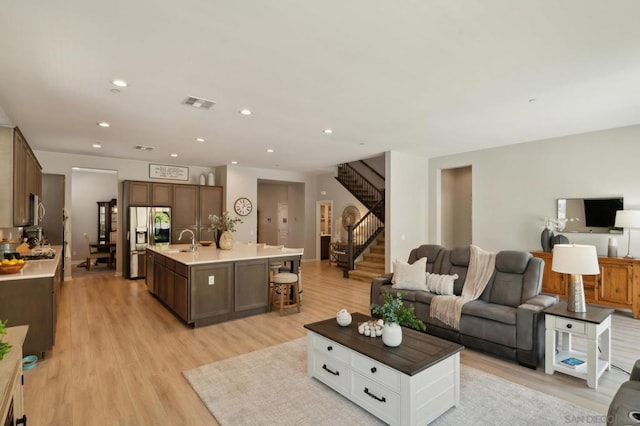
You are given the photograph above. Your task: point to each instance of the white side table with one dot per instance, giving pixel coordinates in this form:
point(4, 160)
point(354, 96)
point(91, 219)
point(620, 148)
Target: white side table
point(593, 325)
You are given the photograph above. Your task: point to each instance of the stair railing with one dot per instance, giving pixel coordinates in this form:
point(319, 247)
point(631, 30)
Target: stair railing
point(366, 192)
point(362, 234)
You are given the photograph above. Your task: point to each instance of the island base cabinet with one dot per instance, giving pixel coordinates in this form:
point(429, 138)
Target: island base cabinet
point(211, 293)
point(251, 288)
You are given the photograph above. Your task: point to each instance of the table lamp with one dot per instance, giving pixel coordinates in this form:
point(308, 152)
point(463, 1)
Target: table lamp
point(577, 260)
point(628, 219)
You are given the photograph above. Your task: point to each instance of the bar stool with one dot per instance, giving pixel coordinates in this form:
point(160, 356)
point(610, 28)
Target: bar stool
point(284, 292)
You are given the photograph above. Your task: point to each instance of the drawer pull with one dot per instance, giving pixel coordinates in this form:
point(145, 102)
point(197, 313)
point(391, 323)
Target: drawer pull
point(569, 325)
point(335, 373)
point(373, 369)
point(329, 348)
point(377, 398)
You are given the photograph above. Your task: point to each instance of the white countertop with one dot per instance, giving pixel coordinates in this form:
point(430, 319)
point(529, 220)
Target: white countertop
point(36, 268)
point(240, 251)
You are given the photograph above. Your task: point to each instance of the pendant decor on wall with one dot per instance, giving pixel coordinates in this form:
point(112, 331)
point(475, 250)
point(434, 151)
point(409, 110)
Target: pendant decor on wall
point(350, 216)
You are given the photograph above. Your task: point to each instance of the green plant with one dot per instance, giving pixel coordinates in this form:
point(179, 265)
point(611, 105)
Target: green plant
point(4, 346)
point(224, 222)
point(393, 310)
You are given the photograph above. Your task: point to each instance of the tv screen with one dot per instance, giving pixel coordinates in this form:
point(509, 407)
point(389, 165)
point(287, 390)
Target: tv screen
point(601, 212)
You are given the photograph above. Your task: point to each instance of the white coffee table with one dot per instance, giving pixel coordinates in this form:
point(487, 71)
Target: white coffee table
point(412, 384)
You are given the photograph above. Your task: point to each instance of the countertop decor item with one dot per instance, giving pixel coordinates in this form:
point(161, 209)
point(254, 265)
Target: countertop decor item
point(394, 314)
point(221, 225)
point(206, 243)
point(11, 268)
point(5, 347)
point(343, 317)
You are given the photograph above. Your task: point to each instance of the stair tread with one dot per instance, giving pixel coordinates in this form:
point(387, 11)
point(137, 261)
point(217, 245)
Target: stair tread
point(373, 256)
point(365, 274)
point(370, 264)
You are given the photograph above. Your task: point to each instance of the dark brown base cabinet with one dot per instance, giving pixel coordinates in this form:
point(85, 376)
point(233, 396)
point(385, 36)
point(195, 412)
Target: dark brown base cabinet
point(33, 302)
point(213, 292)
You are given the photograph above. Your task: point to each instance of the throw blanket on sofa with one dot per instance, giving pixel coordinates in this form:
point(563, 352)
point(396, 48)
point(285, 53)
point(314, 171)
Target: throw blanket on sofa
point(448, 309)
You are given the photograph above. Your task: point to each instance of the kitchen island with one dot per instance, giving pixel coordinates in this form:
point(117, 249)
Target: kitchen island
point(212, 285)
point(30, 297)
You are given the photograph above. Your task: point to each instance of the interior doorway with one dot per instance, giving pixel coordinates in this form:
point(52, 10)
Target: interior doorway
point(324, 227)
point(283, 224)
point(456, 207)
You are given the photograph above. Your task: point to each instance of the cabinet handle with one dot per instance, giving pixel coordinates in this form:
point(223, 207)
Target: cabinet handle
point(329, 348)
point(377, 398)
point(335, 373)
point(22, 420)
point(569, 325)
point(373, 369)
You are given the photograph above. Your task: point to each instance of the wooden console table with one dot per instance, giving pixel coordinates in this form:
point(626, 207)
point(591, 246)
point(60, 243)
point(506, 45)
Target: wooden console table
point(617, 286)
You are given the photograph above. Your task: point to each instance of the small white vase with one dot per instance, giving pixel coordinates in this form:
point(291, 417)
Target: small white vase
point(392, 334)
point(226, 240)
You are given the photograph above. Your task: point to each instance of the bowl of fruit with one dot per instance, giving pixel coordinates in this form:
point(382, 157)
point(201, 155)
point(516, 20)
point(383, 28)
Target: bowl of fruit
point(12, 266)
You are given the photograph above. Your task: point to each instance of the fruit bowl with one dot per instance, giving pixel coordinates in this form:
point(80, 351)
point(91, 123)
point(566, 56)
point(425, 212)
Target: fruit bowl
point(206, 243)
point(11, 269)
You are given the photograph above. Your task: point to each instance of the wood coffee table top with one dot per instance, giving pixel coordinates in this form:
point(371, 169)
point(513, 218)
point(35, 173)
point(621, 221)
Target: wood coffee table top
point(417, 351)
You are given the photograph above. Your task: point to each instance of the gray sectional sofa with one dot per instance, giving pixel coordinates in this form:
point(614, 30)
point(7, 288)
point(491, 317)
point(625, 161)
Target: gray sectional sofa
point(506, 320)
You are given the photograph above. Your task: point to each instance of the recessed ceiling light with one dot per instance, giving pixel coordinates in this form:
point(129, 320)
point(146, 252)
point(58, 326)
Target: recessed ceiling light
point(245, 111)
point(119, 83)
point(199, 139)
point(234, 162)
point(96, 145)
point(328, 131)
point(104, 124)
point(174, 155)
point(269, 150)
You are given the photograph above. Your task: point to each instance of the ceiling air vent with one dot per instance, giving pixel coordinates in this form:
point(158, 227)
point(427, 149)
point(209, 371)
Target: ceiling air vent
point(199, 103)
point(144, 148)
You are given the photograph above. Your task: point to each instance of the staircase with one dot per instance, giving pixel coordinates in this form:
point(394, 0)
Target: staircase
point(369, 231)
point(372, 264)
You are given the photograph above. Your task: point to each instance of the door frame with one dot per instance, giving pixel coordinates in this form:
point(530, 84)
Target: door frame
point(319, 203)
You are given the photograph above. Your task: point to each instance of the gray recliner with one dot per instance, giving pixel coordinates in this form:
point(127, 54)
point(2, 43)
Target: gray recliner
point(625, 405)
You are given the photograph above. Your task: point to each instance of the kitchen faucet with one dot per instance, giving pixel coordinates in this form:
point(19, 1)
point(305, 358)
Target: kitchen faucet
point(194, 246)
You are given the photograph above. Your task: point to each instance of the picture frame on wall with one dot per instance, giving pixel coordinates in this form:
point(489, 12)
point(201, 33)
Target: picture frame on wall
point(165, 171)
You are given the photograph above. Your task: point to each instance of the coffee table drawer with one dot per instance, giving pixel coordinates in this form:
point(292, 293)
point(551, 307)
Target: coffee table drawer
point(376, 371)
point(575, 327)
point(376, 398)
point(331, 348)
point(331, 372)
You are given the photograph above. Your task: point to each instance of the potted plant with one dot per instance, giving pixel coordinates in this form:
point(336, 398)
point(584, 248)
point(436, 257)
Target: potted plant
point(4, 346)
point(394, 314)
point(223, 226)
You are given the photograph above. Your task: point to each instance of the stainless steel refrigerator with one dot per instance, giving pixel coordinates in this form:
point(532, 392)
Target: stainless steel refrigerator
point(147, 226)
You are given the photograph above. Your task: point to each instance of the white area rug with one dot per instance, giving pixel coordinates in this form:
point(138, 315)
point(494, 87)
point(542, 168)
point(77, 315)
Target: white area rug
point(271, 387)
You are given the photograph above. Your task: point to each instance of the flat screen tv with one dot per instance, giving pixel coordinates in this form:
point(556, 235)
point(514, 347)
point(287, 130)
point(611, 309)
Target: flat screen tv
point(593, 215)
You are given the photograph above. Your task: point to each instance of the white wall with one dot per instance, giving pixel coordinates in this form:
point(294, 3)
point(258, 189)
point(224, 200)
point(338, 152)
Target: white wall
point(406, 205)
point(516, 186)
point(243, 182)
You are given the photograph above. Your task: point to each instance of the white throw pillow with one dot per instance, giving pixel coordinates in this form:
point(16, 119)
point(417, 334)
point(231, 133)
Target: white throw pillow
point(441, 284)
point(410, 277)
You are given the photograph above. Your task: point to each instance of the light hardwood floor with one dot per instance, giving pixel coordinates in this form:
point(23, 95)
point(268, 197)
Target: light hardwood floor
point(119, 353)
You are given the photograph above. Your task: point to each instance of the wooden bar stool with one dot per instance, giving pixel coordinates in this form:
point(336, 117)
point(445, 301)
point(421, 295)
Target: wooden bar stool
point(284, 292)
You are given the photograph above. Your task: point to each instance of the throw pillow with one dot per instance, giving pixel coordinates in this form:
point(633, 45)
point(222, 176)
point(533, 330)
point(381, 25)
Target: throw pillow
point(409, 277)
point(441, 284)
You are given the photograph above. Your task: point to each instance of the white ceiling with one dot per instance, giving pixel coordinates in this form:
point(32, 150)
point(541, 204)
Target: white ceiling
point(429, 77)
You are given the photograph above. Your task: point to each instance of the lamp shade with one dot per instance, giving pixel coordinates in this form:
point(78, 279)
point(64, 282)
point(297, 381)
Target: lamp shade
point(627, 219)
point(575, 259)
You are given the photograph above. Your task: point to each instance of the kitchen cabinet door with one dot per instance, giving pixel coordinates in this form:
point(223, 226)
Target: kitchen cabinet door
point(137, 193)
point(210, 203)
point(162, 194)
point(185, 206)
point(210, 303)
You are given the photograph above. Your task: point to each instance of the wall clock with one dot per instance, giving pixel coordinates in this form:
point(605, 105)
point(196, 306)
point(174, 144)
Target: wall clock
point(242, 206)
